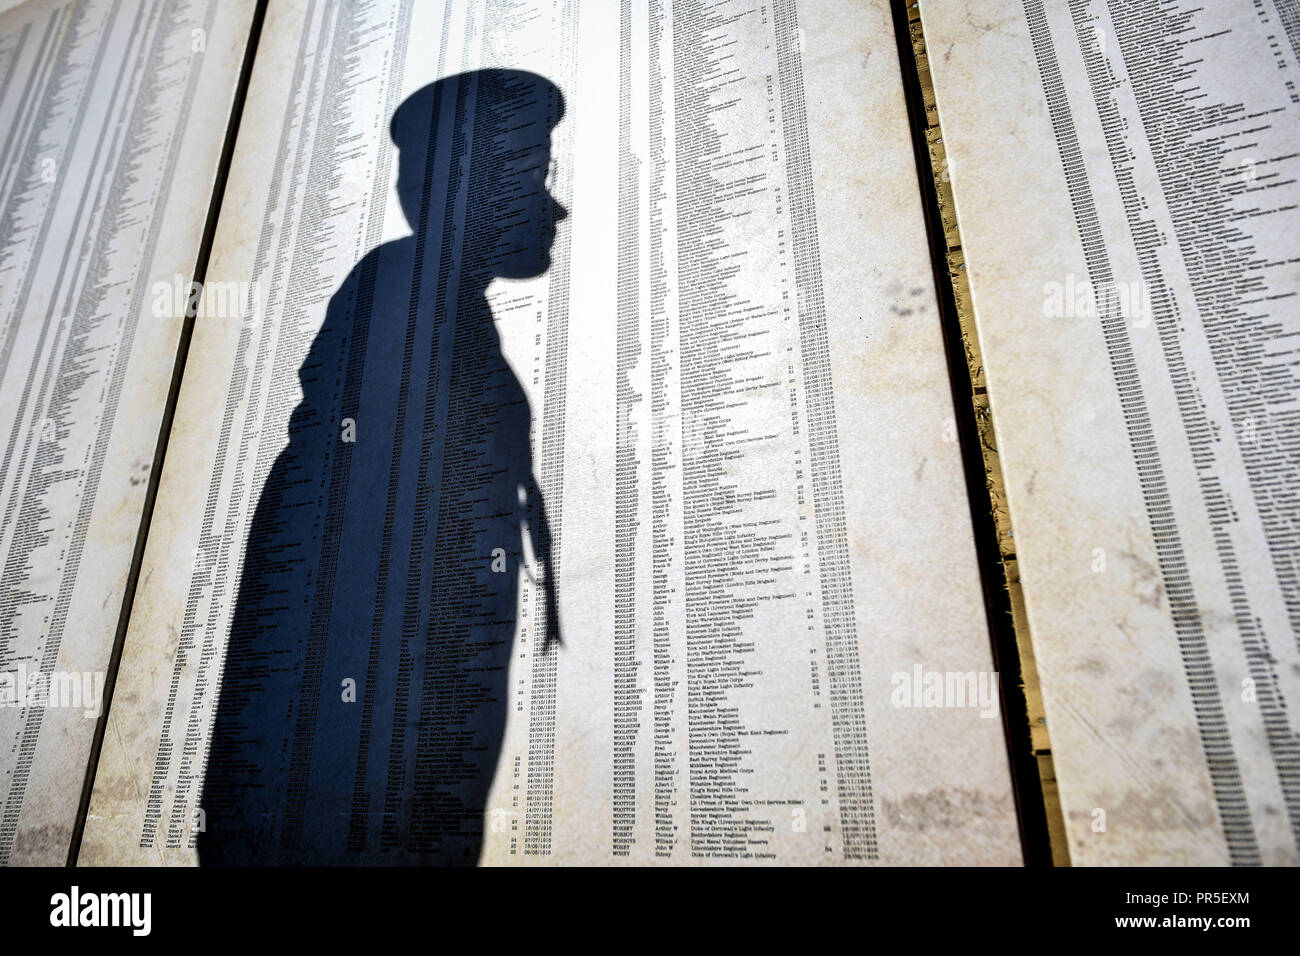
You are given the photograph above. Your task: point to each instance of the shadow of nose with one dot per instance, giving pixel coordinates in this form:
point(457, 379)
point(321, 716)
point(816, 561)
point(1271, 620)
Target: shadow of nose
point(560, 213)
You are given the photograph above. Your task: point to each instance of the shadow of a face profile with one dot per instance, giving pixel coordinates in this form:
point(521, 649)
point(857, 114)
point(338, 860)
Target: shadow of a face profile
point(363, 697)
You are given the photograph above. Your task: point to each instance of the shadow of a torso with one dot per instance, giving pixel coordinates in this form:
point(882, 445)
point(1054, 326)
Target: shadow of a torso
point(363, 698)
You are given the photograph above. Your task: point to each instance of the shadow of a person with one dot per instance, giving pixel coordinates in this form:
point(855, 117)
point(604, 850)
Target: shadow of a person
point(363, 696)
